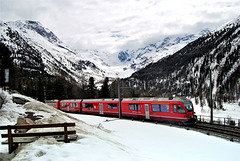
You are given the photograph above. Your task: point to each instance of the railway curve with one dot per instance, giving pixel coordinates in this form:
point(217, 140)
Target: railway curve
point(228, 132)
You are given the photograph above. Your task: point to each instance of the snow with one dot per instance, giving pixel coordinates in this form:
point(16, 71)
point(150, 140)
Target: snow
point(103, 138)
point(231, 111)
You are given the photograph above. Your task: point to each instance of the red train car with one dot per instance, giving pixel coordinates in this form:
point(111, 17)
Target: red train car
point(175, 110)
point(100, 106)
point(69, 105)
point(159, 109)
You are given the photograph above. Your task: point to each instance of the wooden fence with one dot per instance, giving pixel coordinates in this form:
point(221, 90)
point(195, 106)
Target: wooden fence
point(13, 144)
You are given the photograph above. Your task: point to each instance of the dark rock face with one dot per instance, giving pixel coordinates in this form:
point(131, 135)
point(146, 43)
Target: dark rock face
point(20, 100)
point(124, 56)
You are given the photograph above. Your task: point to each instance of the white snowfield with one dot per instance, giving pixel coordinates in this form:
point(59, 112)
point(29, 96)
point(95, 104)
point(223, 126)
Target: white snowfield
point(115, 139)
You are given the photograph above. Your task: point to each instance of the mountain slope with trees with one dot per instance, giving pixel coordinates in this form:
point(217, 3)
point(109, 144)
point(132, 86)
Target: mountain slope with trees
point(187, 71)
point(39, 63)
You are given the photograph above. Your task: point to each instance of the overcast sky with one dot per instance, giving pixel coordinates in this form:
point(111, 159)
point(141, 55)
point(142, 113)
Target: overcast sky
point(114, 25)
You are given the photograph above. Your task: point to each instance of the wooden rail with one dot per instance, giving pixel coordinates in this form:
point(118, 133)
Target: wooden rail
point(12, 145)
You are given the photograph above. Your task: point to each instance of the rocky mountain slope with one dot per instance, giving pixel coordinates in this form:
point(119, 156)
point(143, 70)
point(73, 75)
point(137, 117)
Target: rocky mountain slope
point(187, 72)
point(154, 52)
point(34, 47)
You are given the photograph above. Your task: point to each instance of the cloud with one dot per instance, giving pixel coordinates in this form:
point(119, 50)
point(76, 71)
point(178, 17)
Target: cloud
point(111, 25)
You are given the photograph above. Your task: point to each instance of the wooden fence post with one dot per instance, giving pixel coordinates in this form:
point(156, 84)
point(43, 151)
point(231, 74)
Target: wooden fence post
point(11, 145)
point(65, 133)
point(10, 139)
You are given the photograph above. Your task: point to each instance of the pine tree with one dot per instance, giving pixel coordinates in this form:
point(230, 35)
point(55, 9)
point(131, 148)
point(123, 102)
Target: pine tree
point(70, 91)
point(41, 96)
point(104, 92)
point(5, 63)
point(59, 89)
point(91, 88)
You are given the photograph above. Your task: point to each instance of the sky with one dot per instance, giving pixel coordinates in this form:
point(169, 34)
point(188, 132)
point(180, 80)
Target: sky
point(115, 25)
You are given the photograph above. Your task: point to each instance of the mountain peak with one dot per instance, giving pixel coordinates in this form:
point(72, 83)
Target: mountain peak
point(33, 22)
point(37, 27)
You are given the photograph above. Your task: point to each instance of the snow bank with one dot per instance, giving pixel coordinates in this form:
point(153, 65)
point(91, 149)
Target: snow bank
point(10, 112)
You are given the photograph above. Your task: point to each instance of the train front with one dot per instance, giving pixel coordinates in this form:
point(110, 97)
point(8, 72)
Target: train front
point(190, 112)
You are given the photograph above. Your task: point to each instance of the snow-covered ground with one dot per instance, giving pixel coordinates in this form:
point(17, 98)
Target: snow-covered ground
point(115, 139)
point(231, 112)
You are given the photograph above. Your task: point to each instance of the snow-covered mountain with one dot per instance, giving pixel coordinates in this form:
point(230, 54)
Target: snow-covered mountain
point(29, 40)
point(187, 71)
point(58, 58)
point(124, 63)
point(177, 64)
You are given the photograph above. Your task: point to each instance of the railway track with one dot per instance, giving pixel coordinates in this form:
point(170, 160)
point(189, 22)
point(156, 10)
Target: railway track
point(231, 133)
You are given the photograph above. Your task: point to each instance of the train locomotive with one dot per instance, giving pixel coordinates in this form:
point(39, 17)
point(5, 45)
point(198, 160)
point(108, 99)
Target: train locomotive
point(176, 110)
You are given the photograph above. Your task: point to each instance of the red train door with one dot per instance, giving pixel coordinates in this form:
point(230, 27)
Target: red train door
point(101, 108)
point(147, 111)
point(67, 106)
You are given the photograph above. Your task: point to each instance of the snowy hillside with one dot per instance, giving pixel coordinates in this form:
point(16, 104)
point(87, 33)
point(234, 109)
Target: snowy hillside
point(114, 139)
point(24, 38)
point(187, 71)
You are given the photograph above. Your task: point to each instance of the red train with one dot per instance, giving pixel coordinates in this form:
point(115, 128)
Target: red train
point(178, 110)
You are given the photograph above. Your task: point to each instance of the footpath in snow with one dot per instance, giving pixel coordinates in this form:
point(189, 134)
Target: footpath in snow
point(115, 139)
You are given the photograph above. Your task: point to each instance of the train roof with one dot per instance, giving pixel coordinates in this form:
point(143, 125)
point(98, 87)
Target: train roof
point(156, 99)
point(182, 99)
point(91, 100)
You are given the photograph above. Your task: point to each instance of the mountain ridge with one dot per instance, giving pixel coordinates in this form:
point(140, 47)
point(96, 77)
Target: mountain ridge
point(126, 62)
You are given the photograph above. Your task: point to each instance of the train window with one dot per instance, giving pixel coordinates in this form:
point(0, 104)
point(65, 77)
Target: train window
point(131, 107)
point(135, 107)
point(175, 108)
point(181, 109)
point(112, 106)
point(165, 108)
point(64, 104)
point(156, 108)
point(160, 108)
point(189, 106)
point(74, 104)
point(87, 105)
